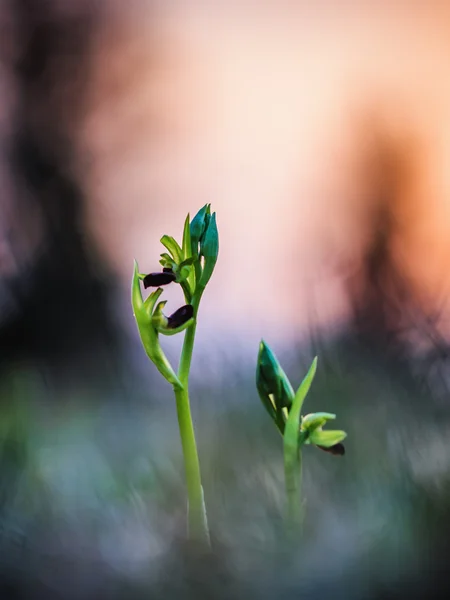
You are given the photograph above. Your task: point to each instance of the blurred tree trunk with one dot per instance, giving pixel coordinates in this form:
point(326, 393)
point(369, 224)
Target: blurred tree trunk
point(60, 320)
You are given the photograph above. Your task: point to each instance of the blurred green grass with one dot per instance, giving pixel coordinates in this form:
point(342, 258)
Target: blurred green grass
point(93, 490)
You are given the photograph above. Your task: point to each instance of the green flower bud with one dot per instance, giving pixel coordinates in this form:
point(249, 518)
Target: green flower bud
point(273, 385)
point(198, 227)
point(209, 249)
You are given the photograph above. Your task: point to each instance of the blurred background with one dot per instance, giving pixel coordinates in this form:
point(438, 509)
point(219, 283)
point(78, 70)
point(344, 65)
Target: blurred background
point(320, 133)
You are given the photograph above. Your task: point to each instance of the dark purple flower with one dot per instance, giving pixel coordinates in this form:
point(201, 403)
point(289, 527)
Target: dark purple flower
point(336, 450)
point(158, 279)
point(180, 316)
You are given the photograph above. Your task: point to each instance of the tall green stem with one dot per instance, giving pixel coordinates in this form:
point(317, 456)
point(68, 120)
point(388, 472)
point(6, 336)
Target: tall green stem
point(197, 521)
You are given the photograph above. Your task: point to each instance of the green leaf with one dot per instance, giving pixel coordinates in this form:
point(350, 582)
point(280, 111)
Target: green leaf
point(291, 447)
point(137, 300)
point(326, 438)
point(173, 247)
point(293, 420)
point(305, 385)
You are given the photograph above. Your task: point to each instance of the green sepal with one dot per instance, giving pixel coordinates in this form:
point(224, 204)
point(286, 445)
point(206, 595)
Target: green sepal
point(173, 247)
point(327, 439)
point(167, 261)
point(315, 420)
point(159, 320)
point(187, 262)
point(142, 312)
point(174, 331)
point(151, 301)
point(183, 273)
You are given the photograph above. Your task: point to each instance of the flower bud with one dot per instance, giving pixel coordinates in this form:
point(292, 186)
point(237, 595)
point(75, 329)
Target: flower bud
point(209, 249)
point(198, 226)
point(274, 388)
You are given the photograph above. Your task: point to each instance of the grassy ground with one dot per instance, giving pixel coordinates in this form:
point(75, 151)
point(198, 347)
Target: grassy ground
point(92, 490)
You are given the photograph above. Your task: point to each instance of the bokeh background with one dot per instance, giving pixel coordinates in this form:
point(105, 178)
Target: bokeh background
point(320, 133)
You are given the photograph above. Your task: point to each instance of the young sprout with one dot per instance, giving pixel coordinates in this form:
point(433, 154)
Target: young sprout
point(190, 265)
point(284, 407)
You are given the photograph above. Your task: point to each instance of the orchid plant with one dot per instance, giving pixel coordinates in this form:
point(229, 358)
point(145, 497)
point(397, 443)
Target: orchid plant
point(191, 265)
point(284, 407)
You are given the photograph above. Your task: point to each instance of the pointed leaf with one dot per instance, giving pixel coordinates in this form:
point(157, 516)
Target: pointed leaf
point(291, 437)
point(305, 385)
point(186, 244)
point(137, 300)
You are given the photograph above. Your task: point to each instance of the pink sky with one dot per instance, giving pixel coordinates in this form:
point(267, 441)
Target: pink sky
point(268, 113)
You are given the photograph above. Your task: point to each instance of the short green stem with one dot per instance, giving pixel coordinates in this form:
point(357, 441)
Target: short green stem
point(293, 484)
point(293, 475)
point(197, 522)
